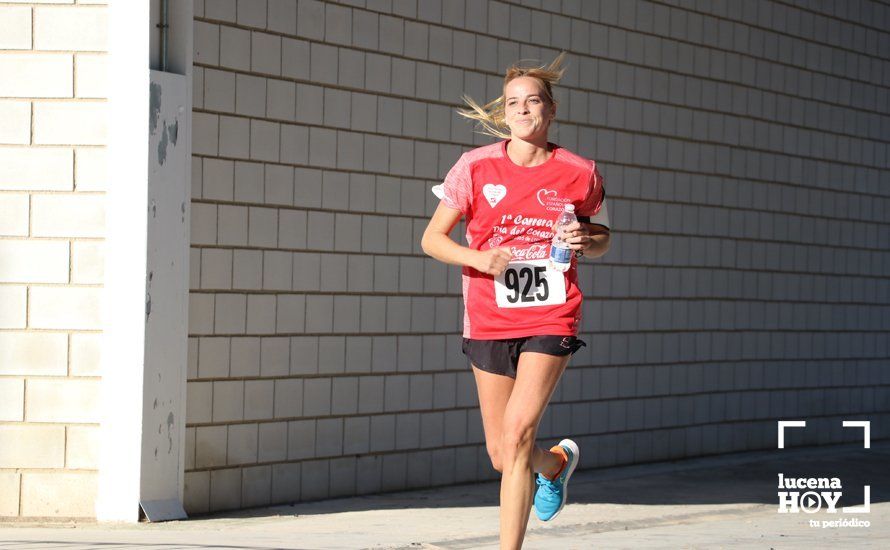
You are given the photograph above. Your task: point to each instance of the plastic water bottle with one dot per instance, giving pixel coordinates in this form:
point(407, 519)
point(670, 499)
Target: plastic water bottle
point(560, 253)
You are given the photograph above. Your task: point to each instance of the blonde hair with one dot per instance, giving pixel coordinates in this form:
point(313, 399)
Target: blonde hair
point(490, 118)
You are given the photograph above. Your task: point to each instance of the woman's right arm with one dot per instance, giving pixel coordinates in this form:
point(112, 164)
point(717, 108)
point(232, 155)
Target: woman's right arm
point(437, 243)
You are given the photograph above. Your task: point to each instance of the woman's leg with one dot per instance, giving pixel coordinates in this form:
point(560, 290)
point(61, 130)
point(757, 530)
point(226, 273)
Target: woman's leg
point(494, 392)
point(536, 378)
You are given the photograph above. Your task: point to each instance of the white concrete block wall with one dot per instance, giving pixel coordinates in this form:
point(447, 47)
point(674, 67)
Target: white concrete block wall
point(52, 219)
point(743, 147)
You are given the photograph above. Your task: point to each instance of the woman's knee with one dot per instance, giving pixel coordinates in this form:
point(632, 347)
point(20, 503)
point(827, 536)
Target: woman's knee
point(494, 453)
point(517, 439)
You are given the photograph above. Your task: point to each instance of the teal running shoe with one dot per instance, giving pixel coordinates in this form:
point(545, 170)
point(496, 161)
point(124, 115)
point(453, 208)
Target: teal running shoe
point(551, 496)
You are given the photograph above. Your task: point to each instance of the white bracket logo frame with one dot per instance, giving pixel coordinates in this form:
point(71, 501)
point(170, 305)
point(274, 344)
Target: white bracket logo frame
point(866, 444)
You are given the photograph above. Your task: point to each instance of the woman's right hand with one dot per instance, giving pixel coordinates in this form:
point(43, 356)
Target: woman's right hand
point(493, 261)
point(437, 243)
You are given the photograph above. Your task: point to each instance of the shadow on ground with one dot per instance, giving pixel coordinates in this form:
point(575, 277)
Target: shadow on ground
point(726, 479)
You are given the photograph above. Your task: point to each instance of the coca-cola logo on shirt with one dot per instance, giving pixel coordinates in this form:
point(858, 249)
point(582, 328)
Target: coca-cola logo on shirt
point(550, 200)
point(533, 252)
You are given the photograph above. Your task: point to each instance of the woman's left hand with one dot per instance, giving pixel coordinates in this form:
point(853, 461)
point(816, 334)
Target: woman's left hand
point(576, 235)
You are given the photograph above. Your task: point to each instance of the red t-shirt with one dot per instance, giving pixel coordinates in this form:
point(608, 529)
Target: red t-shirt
point(509, 205)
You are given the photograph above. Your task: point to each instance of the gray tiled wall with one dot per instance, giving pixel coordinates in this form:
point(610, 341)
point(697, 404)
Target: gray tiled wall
point(745, 151)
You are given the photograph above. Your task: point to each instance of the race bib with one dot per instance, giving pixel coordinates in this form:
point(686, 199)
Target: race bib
point(528, 284)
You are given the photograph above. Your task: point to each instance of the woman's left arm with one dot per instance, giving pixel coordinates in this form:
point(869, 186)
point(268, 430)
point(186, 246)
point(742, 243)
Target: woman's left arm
point(599, 240)
point(591, 239)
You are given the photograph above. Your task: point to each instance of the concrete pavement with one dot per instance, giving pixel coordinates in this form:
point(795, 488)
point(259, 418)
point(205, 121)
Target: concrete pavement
point(719, 502)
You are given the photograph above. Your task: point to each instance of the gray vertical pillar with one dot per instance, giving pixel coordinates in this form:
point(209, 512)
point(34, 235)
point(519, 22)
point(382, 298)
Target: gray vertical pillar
point(146, 297)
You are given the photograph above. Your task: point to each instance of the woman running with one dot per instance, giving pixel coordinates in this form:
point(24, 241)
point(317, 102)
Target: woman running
point(521, 316)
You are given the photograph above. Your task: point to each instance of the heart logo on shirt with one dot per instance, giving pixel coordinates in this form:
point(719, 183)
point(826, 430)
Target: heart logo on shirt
point(495, 241)
point(543, 194)
point(494, 193)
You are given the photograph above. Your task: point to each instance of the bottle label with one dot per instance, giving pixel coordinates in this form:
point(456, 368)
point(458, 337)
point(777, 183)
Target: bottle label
point(528, 284)
point(560, 255)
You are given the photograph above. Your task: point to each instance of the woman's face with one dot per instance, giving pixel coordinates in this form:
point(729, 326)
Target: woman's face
point(527, 109)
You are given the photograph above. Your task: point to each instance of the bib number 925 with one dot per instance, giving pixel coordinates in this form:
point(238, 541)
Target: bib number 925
point(529, 284)
point(520, 284)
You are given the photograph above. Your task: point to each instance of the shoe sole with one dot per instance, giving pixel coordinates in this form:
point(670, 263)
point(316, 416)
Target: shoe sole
point(571, 466)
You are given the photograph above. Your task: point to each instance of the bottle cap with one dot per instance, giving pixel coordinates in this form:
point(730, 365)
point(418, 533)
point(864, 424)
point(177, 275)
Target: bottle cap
point(569, 207)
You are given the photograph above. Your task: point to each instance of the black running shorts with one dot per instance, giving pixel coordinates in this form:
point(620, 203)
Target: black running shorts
point(502, 356)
